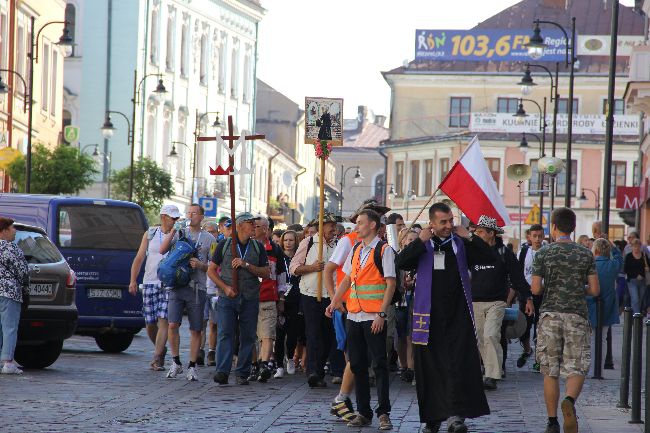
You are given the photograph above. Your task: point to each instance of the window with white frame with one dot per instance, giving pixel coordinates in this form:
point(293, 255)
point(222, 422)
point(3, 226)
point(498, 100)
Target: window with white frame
point(222, 64)
point(203, 71)
point(169, 54)
point(4, 39)
point(247, 75)
point(185, 40)
point(45, 77)
point(234, 71)
point(53, 86)
point(155, 37)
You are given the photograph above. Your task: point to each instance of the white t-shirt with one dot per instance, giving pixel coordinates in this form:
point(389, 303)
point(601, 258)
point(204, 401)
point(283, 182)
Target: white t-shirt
point(528, 264)
point(388, 263)
point(342, 250)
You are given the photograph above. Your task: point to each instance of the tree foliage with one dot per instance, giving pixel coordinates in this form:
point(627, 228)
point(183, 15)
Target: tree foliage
point(151, 185)
point(62, 170)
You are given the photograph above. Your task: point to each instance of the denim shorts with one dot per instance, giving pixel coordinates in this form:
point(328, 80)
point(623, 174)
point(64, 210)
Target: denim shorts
point(192, 300)
point(154, 303)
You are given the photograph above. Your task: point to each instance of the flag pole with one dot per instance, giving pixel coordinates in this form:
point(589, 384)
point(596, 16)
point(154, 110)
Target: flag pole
point(319, 293)
point(423, 208)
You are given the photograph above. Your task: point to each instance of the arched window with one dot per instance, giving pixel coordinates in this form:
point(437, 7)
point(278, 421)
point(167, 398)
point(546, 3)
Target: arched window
point(234, 74)
point(203, 75)
point(184, 51)
point(71, 18)
point(153, 47)
point(169, 58)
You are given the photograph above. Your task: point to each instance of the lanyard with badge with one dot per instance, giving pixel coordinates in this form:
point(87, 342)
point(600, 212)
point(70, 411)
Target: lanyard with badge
point(439, 256)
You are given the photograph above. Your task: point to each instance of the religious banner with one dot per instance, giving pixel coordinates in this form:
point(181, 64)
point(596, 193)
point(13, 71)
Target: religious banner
point(324, 121)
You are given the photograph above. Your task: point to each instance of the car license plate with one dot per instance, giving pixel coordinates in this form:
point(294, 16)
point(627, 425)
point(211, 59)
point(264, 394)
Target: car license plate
point(105, 293)
point(41, 289)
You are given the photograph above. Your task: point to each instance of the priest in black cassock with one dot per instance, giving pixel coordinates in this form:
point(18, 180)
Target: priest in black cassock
point(448, 377)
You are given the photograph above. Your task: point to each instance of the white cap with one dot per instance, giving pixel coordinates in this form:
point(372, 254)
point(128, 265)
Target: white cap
point(170, 210)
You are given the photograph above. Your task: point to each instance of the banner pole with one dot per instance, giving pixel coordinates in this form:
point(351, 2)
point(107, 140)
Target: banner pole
point(321, 213)
point(423, 208)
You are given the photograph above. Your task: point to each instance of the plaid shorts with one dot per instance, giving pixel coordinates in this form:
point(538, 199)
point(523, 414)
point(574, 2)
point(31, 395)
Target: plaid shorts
point(154, 303)
point(563, 345)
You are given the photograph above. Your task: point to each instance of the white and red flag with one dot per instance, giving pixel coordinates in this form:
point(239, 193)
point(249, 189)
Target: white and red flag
point(470, 185)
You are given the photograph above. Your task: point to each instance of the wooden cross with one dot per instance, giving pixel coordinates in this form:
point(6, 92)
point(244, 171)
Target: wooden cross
point(230, 172)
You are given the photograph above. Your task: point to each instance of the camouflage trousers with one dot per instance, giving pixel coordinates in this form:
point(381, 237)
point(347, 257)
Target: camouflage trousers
point(563, 344)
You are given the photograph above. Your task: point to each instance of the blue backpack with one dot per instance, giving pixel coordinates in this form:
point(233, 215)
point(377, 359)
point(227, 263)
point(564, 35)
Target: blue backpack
point(174, 270)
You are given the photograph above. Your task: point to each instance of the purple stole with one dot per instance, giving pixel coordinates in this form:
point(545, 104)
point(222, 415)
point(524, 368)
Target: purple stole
point(422, 300)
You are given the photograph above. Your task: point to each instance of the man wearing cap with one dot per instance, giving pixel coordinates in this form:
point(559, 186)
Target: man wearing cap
point(241, 306)
point(490, 288)
point(448, 378)
point(154, 298)
point(342, 407)
point(318, 328)
point(224, 228)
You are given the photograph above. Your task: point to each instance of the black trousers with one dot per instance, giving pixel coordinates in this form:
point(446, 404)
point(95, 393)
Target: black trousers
point(361, 340)
point(319, 331)
point(531, 321)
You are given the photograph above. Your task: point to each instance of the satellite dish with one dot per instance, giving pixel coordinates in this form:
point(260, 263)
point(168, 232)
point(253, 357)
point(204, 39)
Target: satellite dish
point(550, 166)
point(287, 179)
point(519, 172)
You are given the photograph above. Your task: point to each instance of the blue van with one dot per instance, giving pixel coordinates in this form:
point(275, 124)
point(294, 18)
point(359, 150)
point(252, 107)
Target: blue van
point(99, 239)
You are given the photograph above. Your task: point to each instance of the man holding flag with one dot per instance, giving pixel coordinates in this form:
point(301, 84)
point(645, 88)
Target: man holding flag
point(449, 382)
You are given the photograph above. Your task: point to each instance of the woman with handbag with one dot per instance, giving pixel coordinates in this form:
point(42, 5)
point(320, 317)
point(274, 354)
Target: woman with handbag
point(637, 267)
point(14, 280)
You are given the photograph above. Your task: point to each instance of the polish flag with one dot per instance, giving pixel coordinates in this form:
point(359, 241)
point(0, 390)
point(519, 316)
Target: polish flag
point(470, 185)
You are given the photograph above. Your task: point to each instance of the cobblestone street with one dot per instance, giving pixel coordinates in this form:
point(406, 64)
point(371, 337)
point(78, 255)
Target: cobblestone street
point(87, 391)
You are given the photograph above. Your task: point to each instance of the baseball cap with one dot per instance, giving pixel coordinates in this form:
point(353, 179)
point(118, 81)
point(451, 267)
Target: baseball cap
point(170, 210)
point(245, 216)
point(228, 223)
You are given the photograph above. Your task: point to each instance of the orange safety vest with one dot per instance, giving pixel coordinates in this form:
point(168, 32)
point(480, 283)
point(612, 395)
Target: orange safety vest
point(339, 271)
point(368, 285)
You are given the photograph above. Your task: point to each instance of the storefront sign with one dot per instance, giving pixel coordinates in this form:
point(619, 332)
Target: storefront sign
point(628, 197)
point(485, 45)
point(583, 124)
point(598, 45)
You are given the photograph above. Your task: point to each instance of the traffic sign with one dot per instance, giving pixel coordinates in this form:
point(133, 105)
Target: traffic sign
point(7, 156)
point(533, 216)
point(209, 204)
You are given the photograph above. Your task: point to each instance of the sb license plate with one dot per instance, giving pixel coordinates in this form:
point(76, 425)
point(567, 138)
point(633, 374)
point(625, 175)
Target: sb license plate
point(41, 289)
point(105, 293)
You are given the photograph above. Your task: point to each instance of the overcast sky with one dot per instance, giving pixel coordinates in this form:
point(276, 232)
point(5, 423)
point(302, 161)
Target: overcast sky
point(338, 48)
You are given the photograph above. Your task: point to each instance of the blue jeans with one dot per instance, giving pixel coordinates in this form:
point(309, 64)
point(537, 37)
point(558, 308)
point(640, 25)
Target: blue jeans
point(637, 294)
point(9, 318)
point(230, 312)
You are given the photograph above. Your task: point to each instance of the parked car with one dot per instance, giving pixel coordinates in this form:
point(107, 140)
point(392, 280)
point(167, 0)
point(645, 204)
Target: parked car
point(52, 315)
point(99, 239)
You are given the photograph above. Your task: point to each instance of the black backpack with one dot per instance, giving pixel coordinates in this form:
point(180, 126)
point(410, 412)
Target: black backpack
point(377, 257)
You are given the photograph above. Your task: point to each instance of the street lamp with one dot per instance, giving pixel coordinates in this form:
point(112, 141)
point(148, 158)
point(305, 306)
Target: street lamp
point(4, 89)
point(65, 43)
point(536, 48)
point(357, 180)
point(108, 130)
point(410, 196)
point(391, 193)
point(596, 194)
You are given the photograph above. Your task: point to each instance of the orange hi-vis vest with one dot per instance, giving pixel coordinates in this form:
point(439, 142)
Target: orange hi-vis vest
point(368, 285)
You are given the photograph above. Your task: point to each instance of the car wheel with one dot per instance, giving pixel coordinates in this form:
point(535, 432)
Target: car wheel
point(39, 356)
point(114, 343)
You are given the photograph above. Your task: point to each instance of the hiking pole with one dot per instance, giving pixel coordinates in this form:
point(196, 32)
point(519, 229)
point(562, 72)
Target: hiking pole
point(637, 347)
point(423, 208)
point(598, 351)
point(625, 360)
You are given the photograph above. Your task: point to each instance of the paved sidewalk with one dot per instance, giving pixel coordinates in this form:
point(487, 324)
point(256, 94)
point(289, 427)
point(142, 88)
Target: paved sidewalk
point(87, 390)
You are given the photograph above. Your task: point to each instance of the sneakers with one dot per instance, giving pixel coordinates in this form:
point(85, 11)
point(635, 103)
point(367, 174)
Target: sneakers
point(315, 381)
point(255, 371)
point(200, 360)
point(174, 370)
point(192, 375)
point(523, 358)
point(11, 368)
point(570, 419)
point(536, 367)
point(220, 378)
point(552, 428)
point(241, 380)
point(337, 380)
point(359, 421)
point(407, 375)
point(212, 358)
point(384, 422)
point(279, 374)
point(343, 410)
point(489, 384)
point(291, 367)
point(264, 373)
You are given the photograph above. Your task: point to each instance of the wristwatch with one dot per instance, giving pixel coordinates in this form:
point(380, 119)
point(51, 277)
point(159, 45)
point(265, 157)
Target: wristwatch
point(382, 314)
point(246, 264)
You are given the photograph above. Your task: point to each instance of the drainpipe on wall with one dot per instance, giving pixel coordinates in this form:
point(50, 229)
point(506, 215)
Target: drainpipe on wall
point(253, 114)
point(385, 192)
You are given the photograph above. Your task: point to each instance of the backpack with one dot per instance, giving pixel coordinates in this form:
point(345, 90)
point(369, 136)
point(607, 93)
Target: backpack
point(522, 253)
point(174, 270)
point(377, 256)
